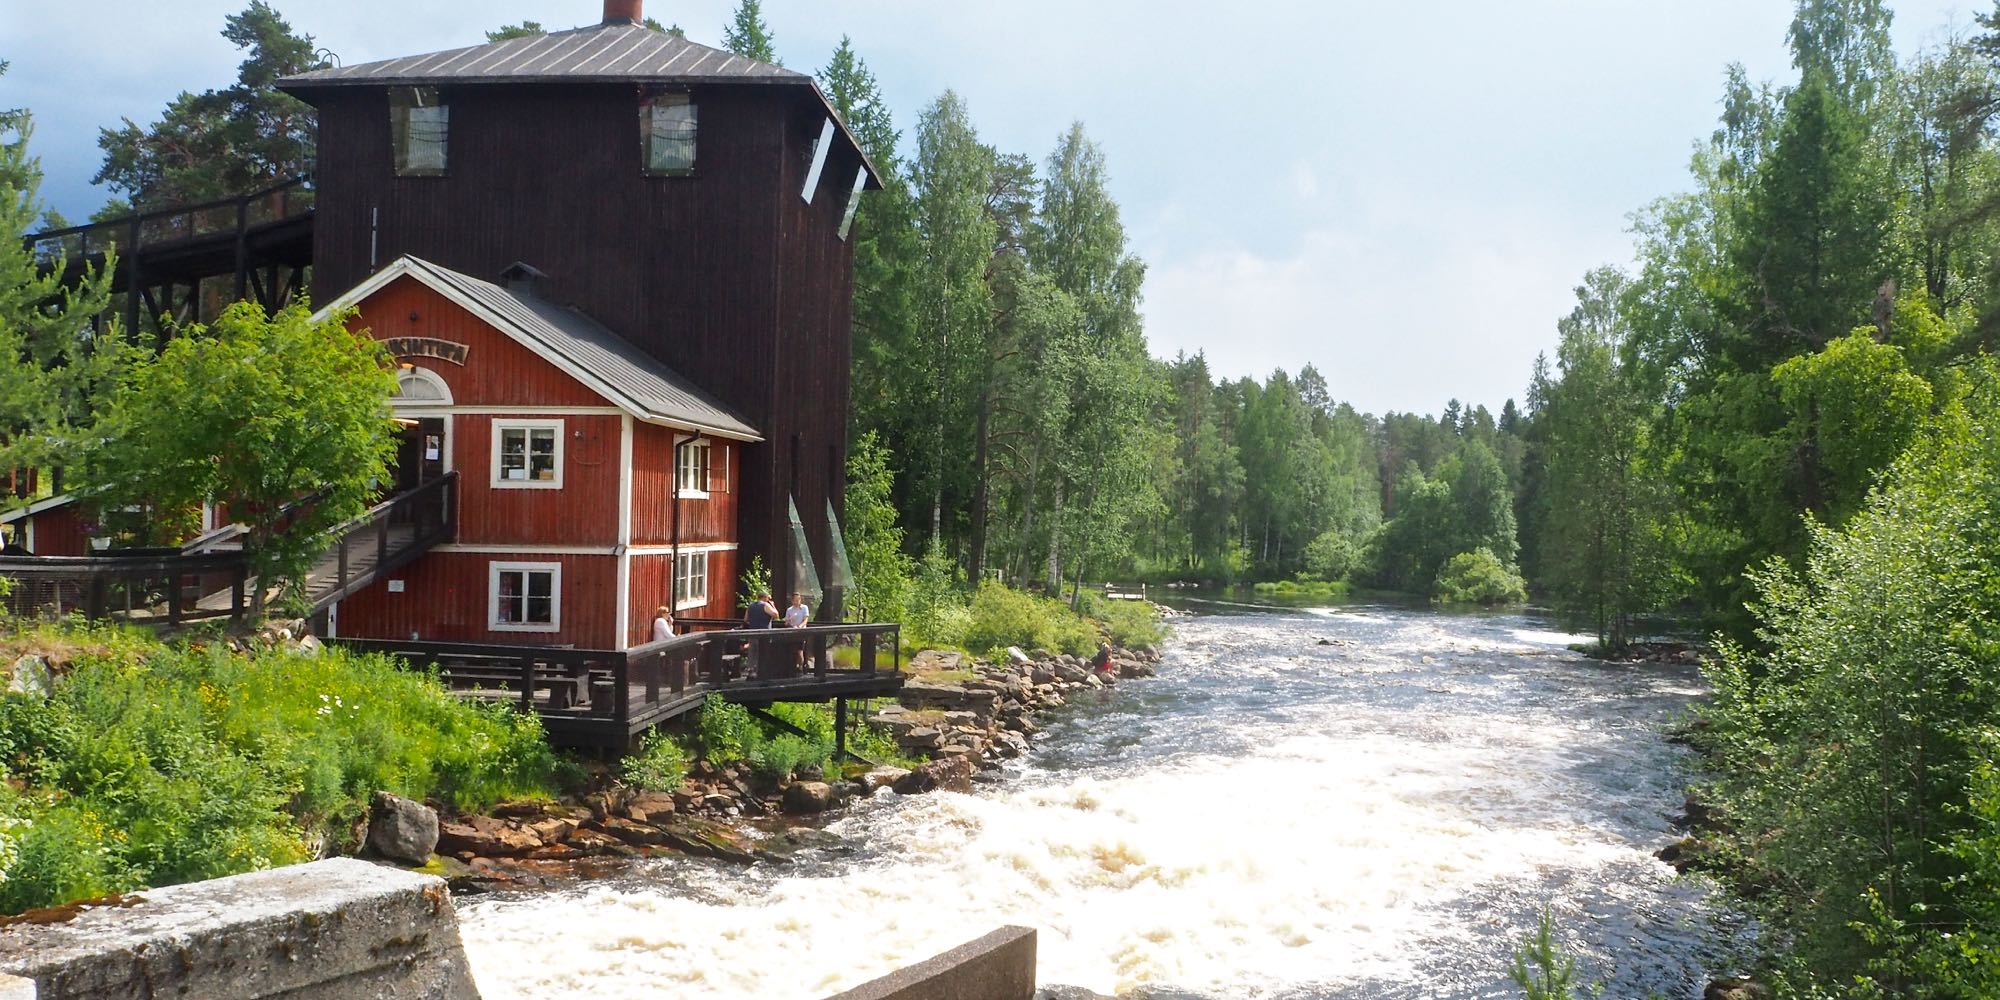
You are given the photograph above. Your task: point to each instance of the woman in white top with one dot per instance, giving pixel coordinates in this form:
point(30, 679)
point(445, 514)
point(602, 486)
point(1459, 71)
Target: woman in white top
point(663, 623)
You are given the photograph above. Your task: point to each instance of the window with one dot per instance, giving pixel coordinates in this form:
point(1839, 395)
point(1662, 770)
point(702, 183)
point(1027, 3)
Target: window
point(853, 202)
point(421, 125)
point(525, 597)
point(690, 580)
point(667, 127)
point(691, 469)
point(527, 454)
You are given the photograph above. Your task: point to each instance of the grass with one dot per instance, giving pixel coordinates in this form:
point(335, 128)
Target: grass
point(1303, 588)
point(153, 764)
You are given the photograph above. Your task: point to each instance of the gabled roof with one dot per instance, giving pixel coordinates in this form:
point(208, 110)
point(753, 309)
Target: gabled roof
point(583, 348)
point(612, 52)
point(38, 507)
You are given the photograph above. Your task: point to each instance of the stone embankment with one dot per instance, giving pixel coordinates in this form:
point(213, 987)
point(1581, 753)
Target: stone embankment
point(957, 715)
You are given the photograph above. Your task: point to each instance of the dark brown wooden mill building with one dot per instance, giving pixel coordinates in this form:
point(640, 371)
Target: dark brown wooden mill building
point(677, 201)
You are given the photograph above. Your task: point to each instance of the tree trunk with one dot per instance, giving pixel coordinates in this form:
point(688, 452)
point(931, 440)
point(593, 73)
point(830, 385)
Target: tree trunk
point(976, 560)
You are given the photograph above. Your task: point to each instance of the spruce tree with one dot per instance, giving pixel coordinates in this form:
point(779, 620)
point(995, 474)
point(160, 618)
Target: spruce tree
point(748, 35)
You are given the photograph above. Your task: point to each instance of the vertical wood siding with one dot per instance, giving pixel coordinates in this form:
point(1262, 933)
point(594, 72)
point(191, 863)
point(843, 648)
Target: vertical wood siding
point(726, 276)
point(62, 532)
point(583, 512)
point(445, 600)
point(710, 520)
point(497, 370)
point(652, 579)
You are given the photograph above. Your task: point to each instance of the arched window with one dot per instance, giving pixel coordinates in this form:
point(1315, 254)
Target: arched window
point(420, 388)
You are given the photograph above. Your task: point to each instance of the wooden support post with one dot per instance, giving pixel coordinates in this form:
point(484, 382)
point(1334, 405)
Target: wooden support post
point(816, 647)
point(242, 248)
point(134, 279)
point(174, 599)
point(93, 607)
point(527, 683)
point(839, 728)
point(868, 652)
point(653, 664)
point(236, 589)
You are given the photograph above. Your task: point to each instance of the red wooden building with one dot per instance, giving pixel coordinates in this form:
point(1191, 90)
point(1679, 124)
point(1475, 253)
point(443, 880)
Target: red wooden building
point(615, 266)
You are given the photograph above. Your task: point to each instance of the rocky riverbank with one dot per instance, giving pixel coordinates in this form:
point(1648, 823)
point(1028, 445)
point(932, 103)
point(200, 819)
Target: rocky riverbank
point(957, 715)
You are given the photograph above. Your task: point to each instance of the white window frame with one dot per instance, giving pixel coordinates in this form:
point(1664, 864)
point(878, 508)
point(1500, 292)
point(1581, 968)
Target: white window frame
point(682, 450)
point(853, 202)
point(493, 571)
point(693, 600)
point(500, 429)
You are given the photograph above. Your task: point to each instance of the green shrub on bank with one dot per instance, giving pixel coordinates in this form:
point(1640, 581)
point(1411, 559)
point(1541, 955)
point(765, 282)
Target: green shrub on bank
point(1303, 588)
point(724, 732)
point(1130, 624)
point(1003, 616)
point(153, 765)
point(1479, 577)
point(659, 765)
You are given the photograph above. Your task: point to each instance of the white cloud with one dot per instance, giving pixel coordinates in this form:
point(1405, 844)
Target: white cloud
point(1409, 305)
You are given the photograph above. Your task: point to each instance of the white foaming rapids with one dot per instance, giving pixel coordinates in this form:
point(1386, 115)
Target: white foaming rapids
point(1310, 861)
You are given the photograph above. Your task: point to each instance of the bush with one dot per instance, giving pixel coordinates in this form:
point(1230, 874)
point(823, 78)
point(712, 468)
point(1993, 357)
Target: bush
point(152, 765)
point(1129, 623)
point(937, 612)
point(1303, 588)
point(660, 765)
point(783, 754)
point(1478, 577)
point(724, 732)
point(1332, 556)
point(1003, 616)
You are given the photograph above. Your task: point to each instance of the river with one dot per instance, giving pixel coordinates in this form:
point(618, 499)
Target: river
point(1379, 817)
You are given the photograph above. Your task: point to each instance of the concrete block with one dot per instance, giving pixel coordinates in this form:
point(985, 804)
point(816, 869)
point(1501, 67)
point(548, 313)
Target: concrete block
point(332, 930)
point(16, 988)
point(999, 966)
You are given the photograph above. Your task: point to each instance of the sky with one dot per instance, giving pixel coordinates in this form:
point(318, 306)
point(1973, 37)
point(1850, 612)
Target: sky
point(1403, 195)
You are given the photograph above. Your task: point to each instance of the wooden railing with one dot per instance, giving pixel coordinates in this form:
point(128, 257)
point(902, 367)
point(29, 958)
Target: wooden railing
point(385, 539)
point(284, 200)
point(603, 697)
point(155, 587)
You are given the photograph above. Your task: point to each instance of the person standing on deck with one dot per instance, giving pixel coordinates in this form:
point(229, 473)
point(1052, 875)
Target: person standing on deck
point(762, 613)
point(798, 614)
point(663, 623)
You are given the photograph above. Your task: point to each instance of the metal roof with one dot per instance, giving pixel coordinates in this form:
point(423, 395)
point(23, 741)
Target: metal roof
point(613, 52)
point(627, 375)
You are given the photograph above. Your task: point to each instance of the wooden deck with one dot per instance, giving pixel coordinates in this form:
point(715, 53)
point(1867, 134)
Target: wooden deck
point(601, 699)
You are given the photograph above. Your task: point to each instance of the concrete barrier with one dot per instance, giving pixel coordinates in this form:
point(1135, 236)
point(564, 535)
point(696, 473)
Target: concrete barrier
point(332, 930)
point(999, 966)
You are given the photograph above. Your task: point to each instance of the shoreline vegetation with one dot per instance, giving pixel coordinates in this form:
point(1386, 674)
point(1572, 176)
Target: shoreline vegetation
point(134, 761)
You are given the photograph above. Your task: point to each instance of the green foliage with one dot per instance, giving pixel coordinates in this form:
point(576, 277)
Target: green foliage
point(938, 615)
point(153, 765)
point(1128, 624)
point(221, 143)
point(1302, 588)
point(724, 731)
point(1856, 742)
point(752, 583)
point(526, 29)
point(748, 35)
point(59, 365)
point(1332, 556)
point(1003, 616)
point(1478, 577)
point(1542, 968)
point(882, 572)
point(659, 765)
point(257, 412)
point(782, 755)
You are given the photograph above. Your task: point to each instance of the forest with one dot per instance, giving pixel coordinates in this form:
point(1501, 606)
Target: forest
point(1775, 423)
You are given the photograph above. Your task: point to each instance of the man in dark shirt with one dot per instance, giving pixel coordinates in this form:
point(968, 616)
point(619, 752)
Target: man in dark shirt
point(762, 613)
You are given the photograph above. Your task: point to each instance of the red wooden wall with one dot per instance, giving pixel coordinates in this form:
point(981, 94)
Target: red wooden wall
point(445, 599)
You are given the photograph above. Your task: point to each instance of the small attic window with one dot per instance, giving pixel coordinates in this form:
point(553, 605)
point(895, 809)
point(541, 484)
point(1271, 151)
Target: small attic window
point(420, 123)
point(667, 131)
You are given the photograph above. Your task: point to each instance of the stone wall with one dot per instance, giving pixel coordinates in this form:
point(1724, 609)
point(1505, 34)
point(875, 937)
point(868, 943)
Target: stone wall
point(332, 930)
point(999, 966)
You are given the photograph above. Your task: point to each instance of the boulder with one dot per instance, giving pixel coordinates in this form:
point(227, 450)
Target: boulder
point(921, 738)
point(1043, 674)
point(808, 797)
point(1094, 681)
point(402, 830)
point(309, 645)
point(636, 834)
point(31, 676)
point(883, 777)
point(486, 837)
point(948, 773)
point(1017, 657)
point(554, 829)
point(650, 807)
point(706, 839)
point(1736, 988)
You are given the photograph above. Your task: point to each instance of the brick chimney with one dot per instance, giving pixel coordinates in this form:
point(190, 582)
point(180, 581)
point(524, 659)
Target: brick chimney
point(624, 11)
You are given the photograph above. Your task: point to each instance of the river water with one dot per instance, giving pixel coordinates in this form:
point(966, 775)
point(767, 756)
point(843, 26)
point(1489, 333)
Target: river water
point(1379, 817)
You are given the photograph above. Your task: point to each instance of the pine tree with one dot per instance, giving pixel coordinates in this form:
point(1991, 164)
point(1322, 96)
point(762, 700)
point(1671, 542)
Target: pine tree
point(748, 35)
